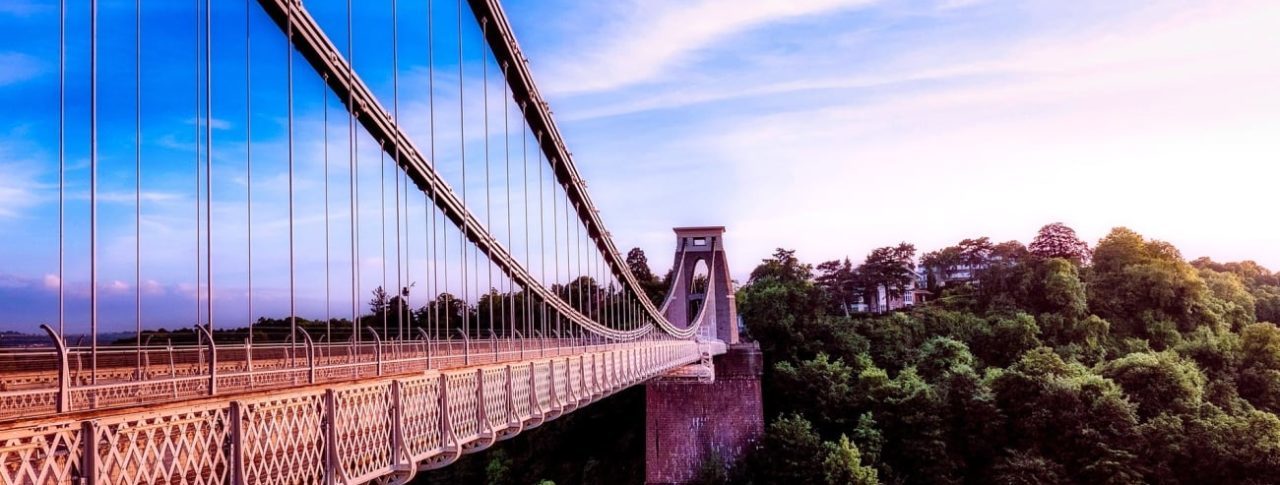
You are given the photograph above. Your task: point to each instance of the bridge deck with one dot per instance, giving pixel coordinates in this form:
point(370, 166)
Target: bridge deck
point(29, 387)
point(347, 432)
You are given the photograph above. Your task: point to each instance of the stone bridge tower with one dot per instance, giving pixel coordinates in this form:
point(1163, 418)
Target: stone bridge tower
point(698, 248)
point(692, 420)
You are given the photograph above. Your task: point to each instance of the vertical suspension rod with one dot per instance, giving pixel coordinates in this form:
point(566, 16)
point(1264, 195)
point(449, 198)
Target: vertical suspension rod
point(62, 163)
point(93, 187)
point(208, 161)
point(316, 48)
point(137, 187)
point(293, 311)
point(248, 170)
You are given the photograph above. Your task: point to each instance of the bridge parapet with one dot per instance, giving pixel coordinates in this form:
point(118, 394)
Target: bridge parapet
point(37, 387)
point(351, 432)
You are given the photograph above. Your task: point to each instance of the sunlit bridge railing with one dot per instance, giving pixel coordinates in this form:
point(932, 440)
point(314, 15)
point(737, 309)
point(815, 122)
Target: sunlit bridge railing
point(47, 381)
point(350, 432)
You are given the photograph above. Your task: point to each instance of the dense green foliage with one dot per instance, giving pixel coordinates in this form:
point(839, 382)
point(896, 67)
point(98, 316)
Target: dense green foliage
point(1123, 363)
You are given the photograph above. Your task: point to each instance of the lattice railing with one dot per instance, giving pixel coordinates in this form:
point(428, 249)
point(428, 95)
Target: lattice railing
point(496, 397)
point(41, 454)
point(421, 417)
point(351, 433)
point(521, 397)
point(285, 439)
point(185, 374)
point(364, 430)
point(190, 445)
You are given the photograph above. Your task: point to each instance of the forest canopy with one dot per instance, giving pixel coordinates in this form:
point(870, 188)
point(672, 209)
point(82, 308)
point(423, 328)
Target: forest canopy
point(1051, 363)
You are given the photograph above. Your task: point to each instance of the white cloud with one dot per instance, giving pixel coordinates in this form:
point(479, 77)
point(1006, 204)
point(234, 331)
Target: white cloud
point(152, 287)
point(215, 123)
point(954, 4)
point(642, 39)
point(20, 186)
point(18, 67)
point(115, 286)
point(1163, 126)
point(22, 8)
point(1159, 118)
point(17, 189)
point(122, 197)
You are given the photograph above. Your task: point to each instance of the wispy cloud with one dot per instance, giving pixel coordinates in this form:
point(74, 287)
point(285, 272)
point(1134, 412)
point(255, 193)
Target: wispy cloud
point(640, 40)
point(954, 4)
point(17, 189)
point(952, 127)
point(21, 184)
point(215, 123)
point(120, 197)
point(18, 67)
point(23, 8)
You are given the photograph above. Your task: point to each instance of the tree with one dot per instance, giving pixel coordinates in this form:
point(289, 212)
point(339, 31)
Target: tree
point(940, 355)
point(868, 437)
point(1260, 364)
point(445, 315)
point(1145, 289)
point(1069, 413)
point(781, 308)
point(1056, 288)
point(1001, 282)
point(386, 311)
point(1009, 252)
point(1010, 336)
point(639, 264)
point(498, 470)
point(1027, 468)
point(782, 267)
point(943, 264)
point(976, 252)
point(1211, 447)
point(582, 293)
point(843, 464)
point(1059, 241)
point(711, 471)
point(826, 385)
point(1158, 382)
point(653, 287)
point(792, 453)
point(837, 280)
point(890, 267)
point(1250, 272)
point(1267, 303)
point(397, 308)
point(380, 301)
point(1232, 303)
point(910, 413)
point(940, 265)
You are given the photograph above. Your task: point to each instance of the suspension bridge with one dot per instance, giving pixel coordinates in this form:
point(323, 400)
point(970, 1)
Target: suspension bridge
point(500, 300)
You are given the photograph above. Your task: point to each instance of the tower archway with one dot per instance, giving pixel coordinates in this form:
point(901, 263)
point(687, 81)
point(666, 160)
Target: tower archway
point(700, 253)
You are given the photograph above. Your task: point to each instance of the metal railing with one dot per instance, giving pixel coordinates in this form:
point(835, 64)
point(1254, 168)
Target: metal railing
point(39, 382)
point(388, 427)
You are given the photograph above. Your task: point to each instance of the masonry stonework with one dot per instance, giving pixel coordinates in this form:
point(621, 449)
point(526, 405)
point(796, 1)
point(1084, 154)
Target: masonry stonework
point(689, 423)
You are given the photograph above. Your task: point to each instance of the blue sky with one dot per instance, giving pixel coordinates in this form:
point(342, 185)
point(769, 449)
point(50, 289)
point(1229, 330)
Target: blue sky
point(828, 126)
